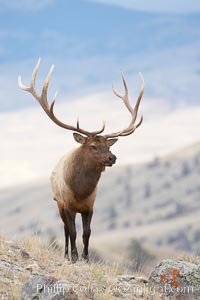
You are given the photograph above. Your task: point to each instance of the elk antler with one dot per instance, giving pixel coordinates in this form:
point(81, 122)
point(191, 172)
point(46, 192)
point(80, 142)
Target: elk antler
point(131, 128)
point(44, 102)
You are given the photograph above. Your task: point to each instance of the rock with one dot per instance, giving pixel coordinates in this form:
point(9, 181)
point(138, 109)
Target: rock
point(125, 277)
point(33, 288)
point(131, 287)
point(60, 290)
point(141, 279)
point(178, 278)
point(34, 268)
point(10, 266)
point(24, 253)
point(118, 294)
point(15, 250)
point(89, 294)
point(47, 288)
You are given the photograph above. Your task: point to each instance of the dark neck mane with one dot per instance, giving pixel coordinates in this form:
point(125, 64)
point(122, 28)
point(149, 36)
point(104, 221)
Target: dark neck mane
point(82, 174)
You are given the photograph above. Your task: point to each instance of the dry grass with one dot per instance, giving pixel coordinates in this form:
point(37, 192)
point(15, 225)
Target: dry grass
point(91, 279)
point(12, 273)
point(192, 259)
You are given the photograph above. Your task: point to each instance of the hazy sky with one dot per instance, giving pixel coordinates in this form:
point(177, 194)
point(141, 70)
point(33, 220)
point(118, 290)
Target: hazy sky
point(164, 6)
point(169, 6)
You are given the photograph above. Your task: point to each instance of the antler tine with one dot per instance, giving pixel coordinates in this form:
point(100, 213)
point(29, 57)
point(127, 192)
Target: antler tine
point(134, 110)
point(34, 74)
point(101, 130)
point(125, 87)
point(126, 132)
point(77, 124)
point(45, 88)
point(44, 101)
point(31, 89)
point(131, 128)
point(94, 132)
point(139, 97)
point(69, 127)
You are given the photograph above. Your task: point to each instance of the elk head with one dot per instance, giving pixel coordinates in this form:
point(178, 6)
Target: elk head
point(98, 149)
point(96, 145)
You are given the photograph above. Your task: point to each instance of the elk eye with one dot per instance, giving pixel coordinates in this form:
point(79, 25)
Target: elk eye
point(93, 147)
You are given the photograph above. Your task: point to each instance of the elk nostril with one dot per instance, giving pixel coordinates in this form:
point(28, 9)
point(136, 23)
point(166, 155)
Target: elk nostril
point(112, 158)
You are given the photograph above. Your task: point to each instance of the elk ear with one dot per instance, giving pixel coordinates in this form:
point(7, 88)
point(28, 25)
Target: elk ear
point(111, 142)
point(79, 138)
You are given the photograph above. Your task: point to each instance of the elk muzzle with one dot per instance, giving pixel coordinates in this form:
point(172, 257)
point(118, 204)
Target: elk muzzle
point(111, 160)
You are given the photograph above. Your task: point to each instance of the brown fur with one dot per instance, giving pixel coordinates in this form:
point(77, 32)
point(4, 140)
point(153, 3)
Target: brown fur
point(83, 175)
point(74, 184)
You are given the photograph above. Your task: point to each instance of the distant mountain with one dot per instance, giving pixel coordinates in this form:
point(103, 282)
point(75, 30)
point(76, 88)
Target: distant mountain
point(156, 203)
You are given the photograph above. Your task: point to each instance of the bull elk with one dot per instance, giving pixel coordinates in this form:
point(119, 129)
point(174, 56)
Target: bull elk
point(75, 177)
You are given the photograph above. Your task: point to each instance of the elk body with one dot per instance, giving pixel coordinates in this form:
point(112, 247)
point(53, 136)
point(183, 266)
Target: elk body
point(74, 179)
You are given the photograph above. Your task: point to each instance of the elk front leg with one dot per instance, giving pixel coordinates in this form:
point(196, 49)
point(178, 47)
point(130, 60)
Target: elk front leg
point(86, 220)
point(66, 229)
point(70, 217)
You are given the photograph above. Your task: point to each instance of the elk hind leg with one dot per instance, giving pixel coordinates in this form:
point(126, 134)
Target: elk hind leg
point(66, 229)
point(70, 217)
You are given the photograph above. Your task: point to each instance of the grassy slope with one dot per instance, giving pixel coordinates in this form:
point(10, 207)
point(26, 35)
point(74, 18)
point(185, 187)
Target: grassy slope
point(31, 256)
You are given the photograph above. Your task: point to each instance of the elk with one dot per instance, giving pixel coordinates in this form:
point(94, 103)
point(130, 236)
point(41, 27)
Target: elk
point(75, 177)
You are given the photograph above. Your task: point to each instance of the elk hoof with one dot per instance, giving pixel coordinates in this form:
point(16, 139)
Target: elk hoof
point(85, 257)
point(74, 259)
point(66, 256)
point(74, 256)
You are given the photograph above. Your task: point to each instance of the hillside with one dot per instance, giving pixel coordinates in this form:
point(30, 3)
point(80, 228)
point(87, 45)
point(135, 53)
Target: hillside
point(32, 269)
point(156, 203)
